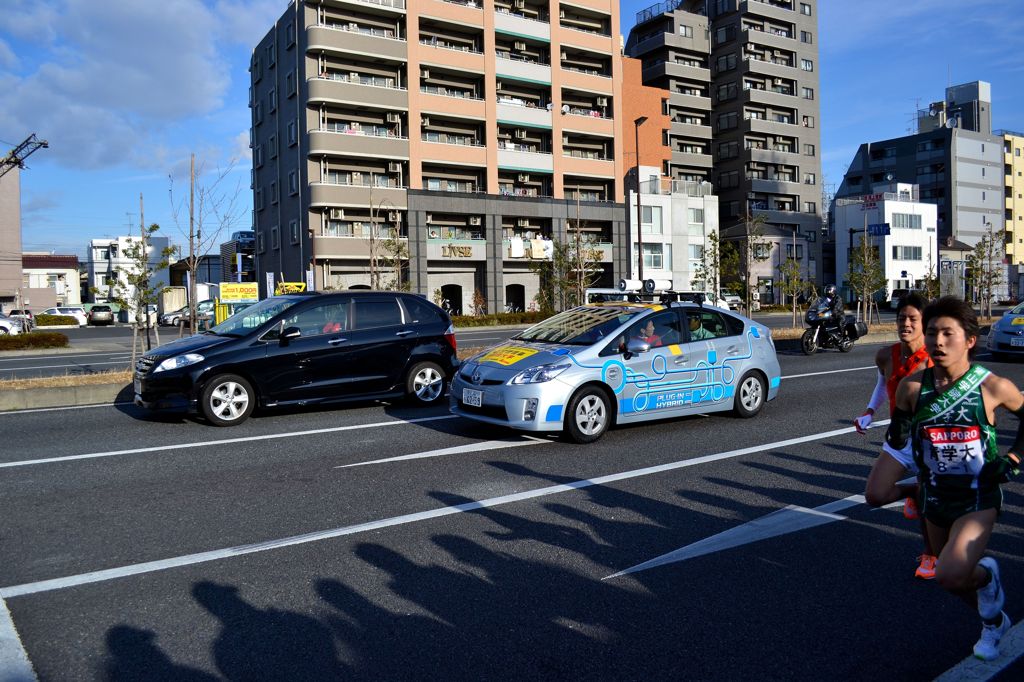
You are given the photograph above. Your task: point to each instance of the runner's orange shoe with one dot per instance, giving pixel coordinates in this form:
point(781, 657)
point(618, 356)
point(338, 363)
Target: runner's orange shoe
point(910, 509)
point(926, 571)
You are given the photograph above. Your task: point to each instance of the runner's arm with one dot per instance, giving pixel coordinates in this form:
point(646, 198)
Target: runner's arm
point(1008, 396)
point(897, 436)
point(878, 397)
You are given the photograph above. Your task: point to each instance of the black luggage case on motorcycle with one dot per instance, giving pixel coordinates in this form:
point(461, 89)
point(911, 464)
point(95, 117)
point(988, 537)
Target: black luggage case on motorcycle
point(855, 329)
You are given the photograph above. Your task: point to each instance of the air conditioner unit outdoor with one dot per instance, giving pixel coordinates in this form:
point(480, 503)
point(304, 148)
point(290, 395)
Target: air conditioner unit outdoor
point(780, 81)
point(561, 14)
point(565, 139)
point(394, 167)
point(392, 216)
point(520, 133)
point(497, 85)
point(565, 55)
point(336, 213)
point(474, 220)
point(522, 222)
point(425, 121)
point(424, 73)
point(602, 101)
point(524, 177)
point(430, 217)
point(520, 4)
point(353, 76)
point(394, 118)
point(519, 45)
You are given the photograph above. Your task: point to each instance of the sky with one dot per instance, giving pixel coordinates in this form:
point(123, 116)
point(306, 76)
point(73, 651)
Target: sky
point(125, 90)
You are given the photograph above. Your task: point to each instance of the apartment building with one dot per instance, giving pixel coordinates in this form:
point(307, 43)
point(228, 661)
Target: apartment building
point(457, 131)
point(49, 280)
point(10, 238)
point(1013, 194)
point(108, 259)
point(742, 77)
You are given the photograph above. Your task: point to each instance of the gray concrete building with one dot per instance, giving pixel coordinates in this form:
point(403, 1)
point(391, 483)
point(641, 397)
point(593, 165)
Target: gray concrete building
point(10, 239)
point(744, 86)
point(954, 158)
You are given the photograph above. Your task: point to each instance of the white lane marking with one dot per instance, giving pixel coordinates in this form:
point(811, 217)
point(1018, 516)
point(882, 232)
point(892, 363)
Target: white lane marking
point(831, 371)
point(14, 663)
point(79, 364)
point(225, 441)
point(67, 355)
point(1010, 649)
point(459, 449)
point(787, 520)
point(66, 407)
point(316, 536)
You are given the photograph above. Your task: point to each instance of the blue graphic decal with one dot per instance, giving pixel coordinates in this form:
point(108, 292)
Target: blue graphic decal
point(775, 381)
point(756, 332)
point(712, 356)
point(554, 414)
point(561, 351)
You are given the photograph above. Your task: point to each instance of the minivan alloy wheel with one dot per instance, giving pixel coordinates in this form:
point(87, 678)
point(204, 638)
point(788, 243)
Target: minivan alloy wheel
point(227, 400)
point(426, 383)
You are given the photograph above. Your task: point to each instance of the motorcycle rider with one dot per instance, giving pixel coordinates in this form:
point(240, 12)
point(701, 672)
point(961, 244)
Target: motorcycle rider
point(835, 306)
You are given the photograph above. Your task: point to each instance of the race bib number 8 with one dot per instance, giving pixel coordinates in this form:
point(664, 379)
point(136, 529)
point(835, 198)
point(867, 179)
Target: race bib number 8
point(954, 450)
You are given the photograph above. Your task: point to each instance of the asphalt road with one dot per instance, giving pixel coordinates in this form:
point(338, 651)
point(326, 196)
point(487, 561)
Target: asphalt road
point(381, 542)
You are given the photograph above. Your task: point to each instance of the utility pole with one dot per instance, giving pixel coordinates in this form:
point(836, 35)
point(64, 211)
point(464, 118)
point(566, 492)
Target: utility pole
point(191, 244)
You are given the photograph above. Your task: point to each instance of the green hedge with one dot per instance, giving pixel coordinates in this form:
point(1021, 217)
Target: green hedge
point(33, 340)
point(498, 318)
point(53, 320)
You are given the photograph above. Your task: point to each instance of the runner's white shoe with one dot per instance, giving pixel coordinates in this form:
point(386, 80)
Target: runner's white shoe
point(987, 648)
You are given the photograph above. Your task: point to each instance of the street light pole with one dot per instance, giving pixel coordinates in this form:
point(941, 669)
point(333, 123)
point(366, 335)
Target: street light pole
point(639, 229)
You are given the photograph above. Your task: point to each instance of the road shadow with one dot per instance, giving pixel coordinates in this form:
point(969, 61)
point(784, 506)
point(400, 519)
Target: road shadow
point(133, 656)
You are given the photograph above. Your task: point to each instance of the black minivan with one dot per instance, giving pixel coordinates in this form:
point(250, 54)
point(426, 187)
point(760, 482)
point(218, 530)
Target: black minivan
point(303, 349)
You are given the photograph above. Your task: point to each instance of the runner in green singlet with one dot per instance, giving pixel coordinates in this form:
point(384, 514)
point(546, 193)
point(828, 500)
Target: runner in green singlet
point(946, 416)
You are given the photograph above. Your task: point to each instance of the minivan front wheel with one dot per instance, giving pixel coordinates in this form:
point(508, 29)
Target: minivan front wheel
point(425, 383)
point(227, 399)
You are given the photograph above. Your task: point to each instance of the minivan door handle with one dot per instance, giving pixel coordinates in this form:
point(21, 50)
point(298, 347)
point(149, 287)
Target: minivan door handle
point(336, 340)
point(404, 332)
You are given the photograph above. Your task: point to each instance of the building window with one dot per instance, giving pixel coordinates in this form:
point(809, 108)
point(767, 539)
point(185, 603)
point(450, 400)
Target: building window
point(273, 192)
point(257, 113)
point(293, 230)
point(727, 121)
point(805, 37)
point(799, 251)
point(805, 9)
point(257, 156)
point(289, 84)
point(729, 179)
point(908, 221)
point(810, 207)
point(728, 150)
point(726, 62)
point(654, 255)
point(685, 31)
point(808, 93)
point(257, 69)
point(275, 243)
point(289, 34)
point(272, 100)
point(650, 219)
point(696, 215)
point(272, 146)
point(293, 182)
point(293, 133)
point(808, 121)
point(260, 245)
point(906, 252)
point(259, 199)
point(271, 55)
point(810, 179)
point(808, 150)
point(807, 65)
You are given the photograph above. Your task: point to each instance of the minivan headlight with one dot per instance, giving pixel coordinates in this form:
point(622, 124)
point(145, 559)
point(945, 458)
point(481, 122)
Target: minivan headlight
point(539, 374)
point(179, 361)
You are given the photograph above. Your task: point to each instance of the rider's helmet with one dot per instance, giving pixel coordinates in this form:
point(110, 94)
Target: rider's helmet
point(830, 290)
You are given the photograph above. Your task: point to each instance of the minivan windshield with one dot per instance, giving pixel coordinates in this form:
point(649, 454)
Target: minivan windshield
point(581, 326)
point(243, 322)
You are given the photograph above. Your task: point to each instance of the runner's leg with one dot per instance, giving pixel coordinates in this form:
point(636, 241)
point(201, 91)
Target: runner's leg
point(961, 547)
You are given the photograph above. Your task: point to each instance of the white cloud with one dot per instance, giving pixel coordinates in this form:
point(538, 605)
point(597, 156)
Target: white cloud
point(8, 60)
point(242, 151)
point(113, 77)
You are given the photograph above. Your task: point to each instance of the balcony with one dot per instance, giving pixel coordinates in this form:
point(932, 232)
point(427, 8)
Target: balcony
point(694, 102)
point(691, 159)
point(769, 127)
point(358, 90)
point(516, 157)
point(770, 37)
point(359, 40)
point(782, 11)
point(773, 96)
point(515, 110)
point(369, 141)
point(324, 194)
point(775, 155)
point(775, 186)
point(671, 69)
point(516, 24)
point(520, 69)
point(392, 6)
point(694, 130)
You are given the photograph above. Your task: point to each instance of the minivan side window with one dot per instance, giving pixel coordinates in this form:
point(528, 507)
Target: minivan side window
point(420, 311)
point(377, 312)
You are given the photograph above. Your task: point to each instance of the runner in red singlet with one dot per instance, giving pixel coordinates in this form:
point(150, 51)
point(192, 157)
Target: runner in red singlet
point(894, 363)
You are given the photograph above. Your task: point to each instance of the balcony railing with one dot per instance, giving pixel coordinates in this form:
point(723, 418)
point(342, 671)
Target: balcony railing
point(585, 154)
point(371, 131)
point(448, 92)
point(397, 4)
point(444, 45)
point(377, 181)
point(375, 81)
point(352, 27)
point(462, 141)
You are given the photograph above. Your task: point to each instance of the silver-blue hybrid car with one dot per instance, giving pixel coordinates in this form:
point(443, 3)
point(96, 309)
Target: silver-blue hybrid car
point(586, 369)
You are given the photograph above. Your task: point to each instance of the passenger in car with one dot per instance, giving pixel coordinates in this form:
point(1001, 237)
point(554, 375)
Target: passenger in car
point(647, 334)
point(697, 331)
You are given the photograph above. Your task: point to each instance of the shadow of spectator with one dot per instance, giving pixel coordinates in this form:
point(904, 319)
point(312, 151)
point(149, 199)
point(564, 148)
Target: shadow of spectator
point(135, 656)
point(267, 644)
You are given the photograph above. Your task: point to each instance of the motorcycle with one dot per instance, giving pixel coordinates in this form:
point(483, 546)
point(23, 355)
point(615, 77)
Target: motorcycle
point(826, 331)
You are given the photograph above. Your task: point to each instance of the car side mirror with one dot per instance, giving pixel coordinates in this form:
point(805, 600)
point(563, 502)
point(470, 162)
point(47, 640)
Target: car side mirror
point(637, 346)
point(289, 333)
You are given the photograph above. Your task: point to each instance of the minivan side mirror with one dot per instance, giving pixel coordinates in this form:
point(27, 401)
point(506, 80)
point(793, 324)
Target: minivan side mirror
point(290, 333)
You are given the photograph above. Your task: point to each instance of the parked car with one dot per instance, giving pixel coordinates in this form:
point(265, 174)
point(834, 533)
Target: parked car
point(78, 313)
point(173, 317)
point(304, 349)
point(733, 301)
point(9, 325)
point(101, 314)
point(1006, 337)
point(588, 368)
point(25, 315)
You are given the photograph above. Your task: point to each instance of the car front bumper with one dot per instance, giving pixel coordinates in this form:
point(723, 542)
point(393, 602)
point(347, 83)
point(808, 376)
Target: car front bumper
point(1003, 342)
point(172, 392)
point(512, 405)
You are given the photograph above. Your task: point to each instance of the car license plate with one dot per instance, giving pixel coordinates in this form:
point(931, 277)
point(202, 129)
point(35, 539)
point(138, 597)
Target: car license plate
point(138, 386)
point(472, 398)
point(1017, 342)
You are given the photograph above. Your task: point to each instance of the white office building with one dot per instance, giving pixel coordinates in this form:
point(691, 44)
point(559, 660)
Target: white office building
point(910, 248)
point(108, 259)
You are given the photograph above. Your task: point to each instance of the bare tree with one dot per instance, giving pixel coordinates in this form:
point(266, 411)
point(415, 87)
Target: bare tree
point(719, 262)
point(985, 271)
point(866, 274)
point(754, 248)
point(574, 266)
point(212, 207)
